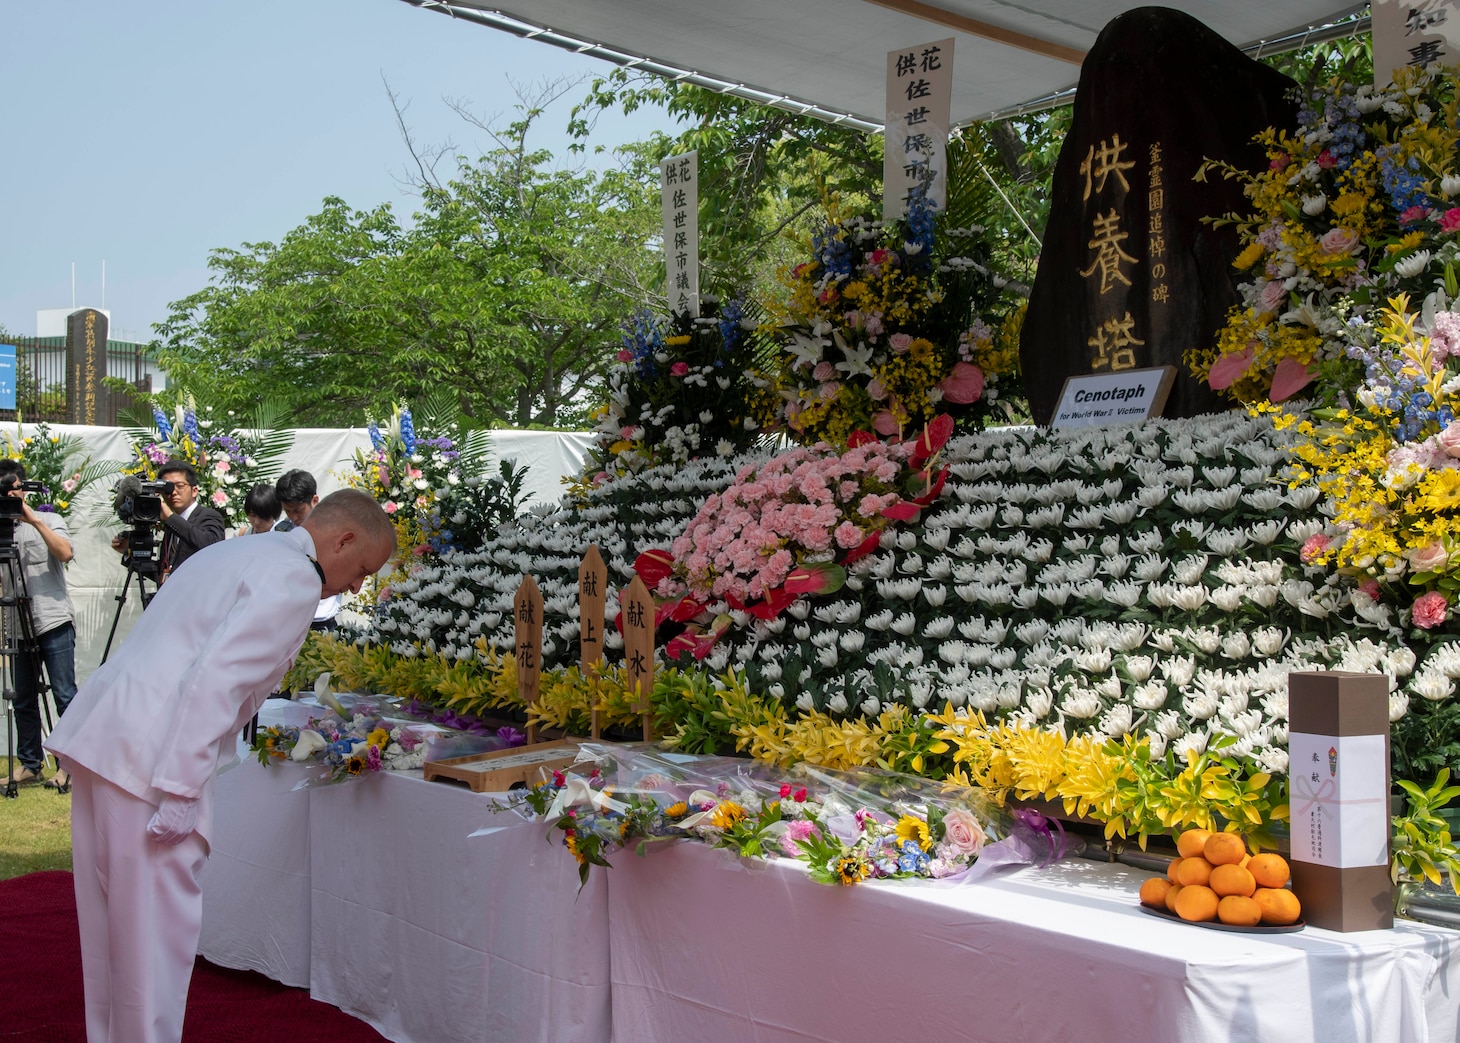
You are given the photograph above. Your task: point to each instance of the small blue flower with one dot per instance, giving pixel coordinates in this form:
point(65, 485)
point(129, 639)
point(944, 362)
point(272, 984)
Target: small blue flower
point(163, 427)
point(376, 439)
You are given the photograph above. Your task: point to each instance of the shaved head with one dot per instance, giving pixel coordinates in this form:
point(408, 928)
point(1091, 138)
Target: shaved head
point(353, 538)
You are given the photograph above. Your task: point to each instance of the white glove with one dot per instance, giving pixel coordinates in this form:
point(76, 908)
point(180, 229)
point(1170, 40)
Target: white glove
point(174, 821)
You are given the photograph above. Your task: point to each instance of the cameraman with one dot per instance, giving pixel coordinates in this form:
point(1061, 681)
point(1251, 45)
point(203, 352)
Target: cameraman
point(188, 526)
point(44, 546)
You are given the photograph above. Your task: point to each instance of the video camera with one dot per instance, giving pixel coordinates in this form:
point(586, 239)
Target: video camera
point(138, 502)
point(10, 506)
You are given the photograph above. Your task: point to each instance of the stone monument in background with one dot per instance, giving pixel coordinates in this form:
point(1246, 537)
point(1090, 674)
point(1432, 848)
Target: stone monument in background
point(86, 334)
point(1129, 277)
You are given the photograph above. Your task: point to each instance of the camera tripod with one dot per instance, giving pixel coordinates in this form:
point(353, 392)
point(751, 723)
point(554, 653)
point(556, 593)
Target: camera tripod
point(17, 638)
point(144, 566)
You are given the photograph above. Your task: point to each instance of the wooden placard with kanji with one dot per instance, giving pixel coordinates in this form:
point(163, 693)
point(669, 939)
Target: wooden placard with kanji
point(592, 596)
point(638, 624)
point(527, 625)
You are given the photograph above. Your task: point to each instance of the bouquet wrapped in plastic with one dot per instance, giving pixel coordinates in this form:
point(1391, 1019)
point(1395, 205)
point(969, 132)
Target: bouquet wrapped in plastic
point(846, 827)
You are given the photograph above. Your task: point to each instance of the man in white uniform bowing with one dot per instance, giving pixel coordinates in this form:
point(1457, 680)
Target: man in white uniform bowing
point(146, 732)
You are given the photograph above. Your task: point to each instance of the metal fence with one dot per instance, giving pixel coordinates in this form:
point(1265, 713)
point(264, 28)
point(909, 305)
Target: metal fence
point(40, 379)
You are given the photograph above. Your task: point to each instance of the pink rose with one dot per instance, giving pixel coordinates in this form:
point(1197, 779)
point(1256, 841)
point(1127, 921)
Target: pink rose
point(1451, 221)
point(391, 507)
point(829, 389)
point(1432, 557)
point(885, 424)
point(1272, 296)
point(1449, 439)
point(964, 385)
point(1413, 214)
point(1326, 160)
point(962, 834)
point(1430, 610)
point(823, 371)
point(1339, 241)
point(1370, 587)
point(1279, 162)
point(901, 342)
point(679, 369)
point(876, 390)
point(1314, 547)
point(625, 355)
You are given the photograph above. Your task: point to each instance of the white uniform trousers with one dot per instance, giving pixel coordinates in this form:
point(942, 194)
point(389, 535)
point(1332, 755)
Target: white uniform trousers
point(140, 910)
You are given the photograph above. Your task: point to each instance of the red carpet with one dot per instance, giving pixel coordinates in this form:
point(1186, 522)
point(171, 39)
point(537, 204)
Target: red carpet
point(40, 987)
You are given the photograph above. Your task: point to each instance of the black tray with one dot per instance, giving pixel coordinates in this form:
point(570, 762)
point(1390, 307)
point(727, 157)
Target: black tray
point(1217, 925)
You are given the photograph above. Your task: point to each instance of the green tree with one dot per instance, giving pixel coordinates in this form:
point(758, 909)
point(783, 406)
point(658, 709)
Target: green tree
point(506, 289)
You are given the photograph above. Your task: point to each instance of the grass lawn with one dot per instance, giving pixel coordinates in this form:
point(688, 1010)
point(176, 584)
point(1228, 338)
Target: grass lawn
point(35, 829)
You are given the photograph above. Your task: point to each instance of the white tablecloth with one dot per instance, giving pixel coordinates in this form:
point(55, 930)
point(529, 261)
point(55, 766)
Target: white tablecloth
point(706, 950)
point(375, 896)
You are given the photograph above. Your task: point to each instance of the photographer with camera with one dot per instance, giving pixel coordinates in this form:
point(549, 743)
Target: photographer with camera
point(188, 526)
point(43, 544)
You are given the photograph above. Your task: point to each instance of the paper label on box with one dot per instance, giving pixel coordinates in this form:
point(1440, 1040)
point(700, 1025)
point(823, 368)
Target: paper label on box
point(1339, 796)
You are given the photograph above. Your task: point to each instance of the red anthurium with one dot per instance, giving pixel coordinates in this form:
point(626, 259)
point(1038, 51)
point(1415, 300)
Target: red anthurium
point(902, 510)
point(857, 438)
point(964, 385)
point(929, 494)
point(1228, 368)
point(685, 642)
point(933, 438)
point(654, 565)
point(862, 549)
point(1290, 377)
point(822, 577)
point(682, 610)
point(774, 604)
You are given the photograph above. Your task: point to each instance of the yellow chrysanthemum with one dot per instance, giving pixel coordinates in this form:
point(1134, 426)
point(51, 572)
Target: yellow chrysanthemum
point(379, 738)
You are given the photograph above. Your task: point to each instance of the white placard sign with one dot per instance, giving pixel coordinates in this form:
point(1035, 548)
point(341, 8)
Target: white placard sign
point(915, 139)
point(679, 180)
point(1101, 399)
point(1414, 33)
point(1339, 799)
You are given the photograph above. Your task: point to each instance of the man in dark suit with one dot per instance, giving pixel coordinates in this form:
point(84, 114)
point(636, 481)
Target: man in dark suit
point(187, 525)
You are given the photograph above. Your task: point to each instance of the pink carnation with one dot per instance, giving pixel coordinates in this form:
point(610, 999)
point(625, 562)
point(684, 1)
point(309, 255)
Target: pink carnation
point(1430, 610)
point(796, 829)
point(220, 498)
point(1314, 547)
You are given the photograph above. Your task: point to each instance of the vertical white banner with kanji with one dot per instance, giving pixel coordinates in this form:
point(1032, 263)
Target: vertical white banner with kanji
point(679, 179)
point(915, 140)
point(1414, 33)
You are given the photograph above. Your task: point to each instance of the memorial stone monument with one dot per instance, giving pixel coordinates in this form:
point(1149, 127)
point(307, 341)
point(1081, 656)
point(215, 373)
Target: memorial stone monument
point(1129, 276)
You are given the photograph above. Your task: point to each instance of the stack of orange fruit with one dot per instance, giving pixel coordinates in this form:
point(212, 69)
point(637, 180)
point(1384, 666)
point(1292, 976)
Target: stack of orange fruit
point(1216, 879)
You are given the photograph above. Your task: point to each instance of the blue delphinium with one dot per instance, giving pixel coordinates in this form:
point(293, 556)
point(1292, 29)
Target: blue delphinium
point(407, 432)
point(642, 339)
point(163, 427)
point(833, 253)
point(730, 315)
point(1402, 181)
point(190, 426)
point(377, 440)
point(913, 858)
point(920, 229)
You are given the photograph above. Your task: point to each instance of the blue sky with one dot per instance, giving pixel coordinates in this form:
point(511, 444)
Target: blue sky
point(146, 133)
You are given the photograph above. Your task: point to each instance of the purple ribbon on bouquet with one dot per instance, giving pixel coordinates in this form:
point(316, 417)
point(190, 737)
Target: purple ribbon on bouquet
point(1033, 829)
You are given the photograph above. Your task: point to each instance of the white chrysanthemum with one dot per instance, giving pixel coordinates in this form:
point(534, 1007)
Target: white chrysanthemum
point(1432, 687)
point(1081, 703)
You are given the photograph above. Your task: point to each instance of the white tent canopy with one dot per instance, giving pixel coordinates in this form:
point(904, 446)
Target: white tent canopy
point(827, 57)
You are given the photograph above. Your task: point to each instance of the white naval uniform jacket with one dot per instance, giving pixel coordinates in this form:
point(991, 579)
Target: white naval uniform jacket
point(160, 714)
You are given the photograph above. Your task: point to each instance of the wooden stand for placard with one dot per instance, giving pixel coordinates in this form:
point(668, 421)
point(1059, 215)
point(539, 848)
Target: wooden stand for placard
point(502, 769)
point(638, 620)
point(592, 596)
point(527, 628)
